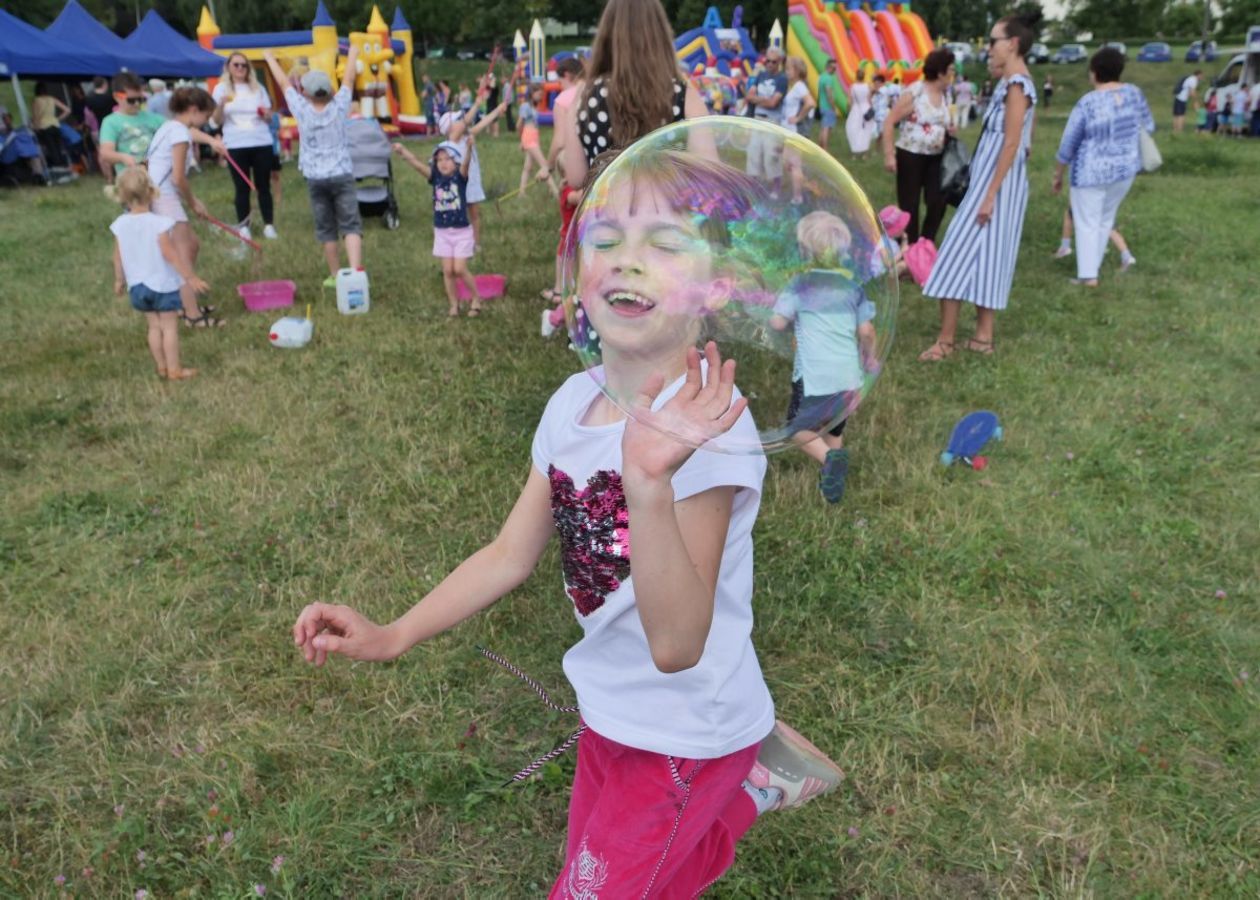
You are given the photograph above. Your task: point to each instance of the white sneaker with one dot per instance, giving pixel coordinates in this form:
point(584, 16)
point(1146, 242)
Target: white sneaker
point(1064, 250)
point(244, 232)
point(1127, 262)
point(269, 232)
point(547, 328)
point(794, 766)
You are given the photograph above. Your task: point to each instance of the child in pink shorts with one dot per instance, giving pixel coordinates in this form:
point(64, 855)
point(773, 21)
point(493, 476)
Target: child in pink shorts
point(453, 239)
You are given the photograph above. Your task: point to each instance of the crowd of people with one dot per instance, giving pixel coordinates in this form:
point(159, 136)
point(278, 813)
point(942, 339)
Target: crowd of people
point(685, 787)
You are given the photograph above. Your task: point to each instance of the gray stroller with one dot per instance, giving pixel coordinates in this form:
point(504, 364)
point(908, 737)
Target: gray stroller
point(373, 170)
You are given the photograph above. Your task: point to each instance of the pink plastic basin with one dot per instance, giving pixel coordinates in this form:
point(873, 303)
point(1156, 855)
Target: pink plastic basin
point(488, 286)
point(260, 295)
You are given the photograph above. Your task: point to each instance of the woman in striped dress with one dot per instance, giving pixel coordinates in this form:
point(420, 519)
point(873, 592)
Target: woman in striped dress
point(977, 259)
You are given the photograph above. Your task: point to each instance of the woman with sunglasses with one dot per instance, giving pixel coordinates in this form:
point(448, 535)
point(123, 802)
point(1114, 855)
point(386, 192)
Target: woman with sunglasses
point(244, 112)
point(976, 264)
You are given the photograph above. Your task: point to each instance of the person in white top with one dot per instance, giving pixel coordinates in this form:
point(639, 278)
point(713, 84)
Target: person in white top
point(798, 104)
point(244, 110)
point(151, 270)
point(1186, 96)
point(656, 546)
point(169, 157)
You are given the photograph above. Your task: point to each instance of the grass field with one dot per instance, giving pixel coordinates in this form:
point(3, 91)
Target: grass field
point(1040, 678)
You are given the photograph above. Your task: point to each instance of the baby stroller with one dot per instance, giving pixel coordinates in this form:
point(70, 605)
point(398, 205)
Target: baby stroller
point(373, 172)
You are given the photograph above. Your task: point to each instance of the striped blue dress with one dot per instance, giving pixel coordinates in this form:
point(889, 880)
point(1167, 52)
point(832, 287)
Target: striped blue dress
point(978, 264)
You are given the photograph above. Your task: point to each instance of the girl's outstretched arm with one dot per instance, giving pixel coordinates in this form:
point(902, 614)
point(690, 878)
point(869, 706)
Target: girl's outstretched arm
point(465, 165)
point(412, 160)
point(479, 581)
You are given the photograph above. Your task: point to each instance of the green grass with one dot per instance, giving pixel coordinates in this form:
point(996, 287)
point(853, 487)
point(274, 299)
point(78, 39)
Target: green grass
point(1026, 672)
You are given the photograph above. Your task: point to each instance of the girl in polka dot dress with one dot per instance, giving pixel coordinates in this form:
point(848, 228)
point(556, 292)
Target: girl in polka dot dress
point(633, 88)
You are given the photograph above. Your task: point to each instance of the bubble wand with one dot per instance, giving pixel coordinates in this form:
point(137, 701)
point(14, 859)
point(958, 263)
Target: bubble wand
point(230, 230)
point(241, 172)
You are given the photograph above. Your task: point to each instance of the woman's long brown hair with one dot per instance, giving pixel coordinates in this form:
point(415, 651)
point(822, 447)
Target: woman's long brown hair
point(633, 52)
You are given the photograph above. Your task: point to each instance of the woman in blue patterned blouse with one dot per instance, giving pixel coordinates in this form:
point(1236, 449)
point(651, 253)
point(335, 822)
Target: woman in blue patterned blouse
point(1100, 144)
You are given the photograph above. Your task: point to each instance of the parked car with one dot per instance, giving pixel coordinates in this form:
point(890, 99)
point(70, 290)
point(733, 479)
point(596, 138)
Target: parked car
point(1155, 51)
point(1118, 45)
point(1039, 53)
point(1070, 53)
point(1197, 53)
point(466, 55)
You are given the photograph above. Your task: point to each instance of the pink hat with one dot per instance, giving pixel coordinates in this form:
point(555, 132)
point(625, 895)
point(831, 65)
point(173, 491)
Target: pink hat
point(920, 257)
point(894, 220)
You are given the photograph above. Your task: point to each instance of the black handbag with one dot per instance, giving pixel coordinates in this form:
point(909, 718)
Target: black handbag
point(955, 171)
point(869, 115)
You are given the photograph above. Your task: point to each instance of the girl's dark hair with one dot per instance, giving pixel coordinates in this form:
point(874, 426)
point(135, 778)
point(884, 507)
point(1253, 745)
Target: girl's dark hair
point(187, 98)
point(937, 63)
point(571, 64)
point(40, 89)
point(1017, 27)
point(1107, 64)
point(633, 51)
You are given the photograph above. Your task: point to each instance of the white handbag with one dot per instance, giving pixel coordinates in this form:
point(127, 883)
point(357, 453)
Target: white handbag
point(1149, 152)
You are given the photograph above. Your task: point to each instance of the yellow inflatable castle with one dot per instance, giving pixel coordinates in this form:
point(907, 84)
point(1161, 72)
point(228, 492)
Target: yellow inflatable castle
point(384, 84)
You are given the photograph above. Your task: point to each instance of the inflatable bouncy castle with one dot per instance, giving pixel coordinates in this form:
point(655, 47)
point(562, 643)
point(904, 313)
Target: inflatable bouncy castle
point(384, 83)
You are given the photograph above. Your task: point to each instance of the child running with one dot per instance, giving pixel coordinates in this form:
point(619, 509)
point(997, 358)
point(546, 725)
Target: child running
point(835, 345)
point(452, 234)
point(530, 142)
point(324, 159)
point(169, 157)
point(151, 268)
point(679, 751)
point(1127, 259)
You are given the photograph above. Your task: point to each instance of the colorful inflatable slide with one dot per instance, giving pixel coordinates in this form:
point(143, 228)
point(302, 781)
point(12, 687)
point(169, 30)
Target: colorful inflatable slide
point(863, 38)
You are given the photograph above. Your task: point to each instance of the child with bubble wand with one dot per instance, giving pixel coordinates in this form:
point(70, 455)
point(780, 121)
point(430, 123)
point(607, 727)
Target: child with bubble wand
point(678, 751)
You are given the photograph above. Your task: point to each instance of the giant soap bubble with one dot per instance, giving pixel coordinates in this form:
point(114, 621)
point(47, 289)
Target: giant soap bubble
point(731, 230)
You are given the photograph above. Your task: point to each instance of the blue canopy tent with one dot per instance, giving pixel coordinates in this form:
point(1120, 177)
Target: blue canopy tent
point(26, 51)
point(76, 25)
point(176, 54)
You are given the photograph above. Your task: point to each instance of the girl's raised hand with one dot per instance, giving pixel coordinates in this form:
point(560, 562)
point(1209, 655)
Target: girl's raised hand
point(324, 628)
point(700, 411)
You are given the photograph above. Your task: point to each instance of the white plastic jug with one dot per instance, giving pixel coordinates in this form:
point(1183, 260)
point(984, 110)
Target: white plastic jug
point(352, 292)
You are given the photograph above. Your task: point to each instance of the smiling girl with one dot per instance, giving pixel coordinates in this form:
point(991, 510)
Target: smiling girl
point(679, 751)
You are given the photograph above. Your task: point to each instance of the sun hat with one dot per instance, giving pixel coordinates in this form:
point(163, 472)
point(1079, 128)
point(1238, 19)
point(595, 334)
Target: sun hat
point(447, 119)
point(894, 221)
point(920, 257)
point(317, 83)
point(452, 149)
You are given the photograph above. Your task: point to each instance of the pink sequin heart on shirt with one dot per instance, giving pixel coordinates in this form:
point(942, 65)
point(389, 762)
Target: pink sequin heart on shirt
point(594, 527)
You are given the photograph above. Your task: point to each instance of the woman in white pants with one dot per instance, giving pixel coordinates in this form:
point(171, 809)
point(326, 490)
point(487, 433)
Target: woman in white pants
point(1100, 144)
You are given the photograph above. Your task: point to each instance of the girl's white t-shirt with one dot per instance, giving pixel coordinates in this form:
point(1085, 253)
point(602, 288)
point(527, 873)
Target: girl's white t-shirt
point(242, 126)
point(160, 156)
point(792, 105)
point(721, 704)
point(142, 259)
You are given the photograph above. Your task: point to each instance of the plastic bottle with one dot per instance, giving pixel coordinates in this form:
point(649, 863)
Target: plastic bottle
point(352, 292)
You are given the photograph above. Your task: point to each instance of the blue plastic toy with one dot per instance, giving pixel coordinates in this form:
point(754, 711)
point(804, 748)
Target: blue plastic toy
point(970, 435)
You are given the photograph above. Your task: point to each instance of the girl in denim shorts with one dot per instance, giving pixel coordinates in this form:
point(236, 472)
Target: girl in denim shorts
point(148, 264)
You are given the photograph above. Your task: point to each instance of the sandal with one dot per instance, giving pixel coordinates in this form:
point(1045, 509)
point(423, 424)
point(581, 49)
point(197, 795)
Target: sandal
point(474, 311)
point(207, 310)
point(937, 352)
point(205, 320)
point(181, 375)
point(984, 348)
point(551, 295)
